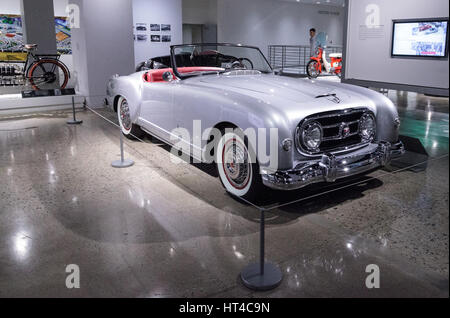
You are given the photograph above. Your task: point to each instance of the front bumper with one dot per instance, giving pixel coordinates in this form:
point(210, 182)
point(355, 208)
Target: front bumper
point(331, 168)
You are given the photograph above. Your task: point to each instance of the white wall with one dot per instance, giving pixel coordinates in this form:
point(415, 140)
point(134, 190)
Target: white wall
point(371, 60)
point(200, 11)
point(267, 22)
point(60, 7)
point(157, 12)
point(10, 6)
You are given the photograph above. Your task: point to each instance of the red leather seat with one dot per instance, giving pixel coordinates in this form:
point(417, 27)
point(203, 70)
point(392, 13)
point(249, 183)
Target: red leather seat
point(155, 76)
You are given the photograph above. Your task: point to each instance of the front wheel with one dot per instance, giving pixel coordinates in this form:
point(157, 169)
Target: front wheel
point(129, 130)
point(48, 74)
point(313, 69)
point(238, 171)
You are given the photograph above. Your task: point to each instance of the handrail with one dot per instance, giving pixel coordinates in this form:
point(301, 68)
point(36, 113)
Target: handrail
point(294, 58)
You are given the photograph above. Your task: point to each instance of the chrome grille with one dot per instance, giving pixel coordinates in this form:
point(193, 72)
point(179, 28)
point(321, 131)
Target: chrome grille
point(340, 130)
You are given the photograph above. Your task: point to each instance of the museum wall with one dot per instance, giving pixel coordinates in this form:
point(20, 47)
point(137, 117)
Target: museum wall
point(199, 11)
point(268, 22)
point(10, 6)
point(370, 58)
point(157, 12)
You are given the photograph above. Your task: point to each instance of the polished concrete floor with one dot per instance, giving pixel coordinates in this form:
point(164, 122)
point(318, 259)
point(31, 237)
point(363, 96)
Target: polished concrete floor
point(159, 229)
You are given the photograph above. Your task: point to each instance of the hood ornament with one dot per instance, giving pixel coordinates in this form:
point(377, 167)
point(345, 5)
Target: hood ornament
point(331, 97)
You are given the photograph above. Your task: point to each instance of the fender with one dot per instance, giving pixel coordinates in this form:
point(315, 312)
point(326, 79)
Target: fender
point(129, 87)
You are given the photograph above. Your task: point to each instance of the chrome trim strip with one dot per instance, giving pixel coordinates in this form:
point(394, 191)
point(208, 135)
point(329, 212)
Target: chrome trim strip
point(339, 137)
point(337, 125)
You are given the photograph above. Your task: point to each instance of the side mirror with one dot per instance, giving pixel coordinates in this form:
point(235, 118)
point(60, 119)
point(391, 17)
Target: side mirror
point(167, 76)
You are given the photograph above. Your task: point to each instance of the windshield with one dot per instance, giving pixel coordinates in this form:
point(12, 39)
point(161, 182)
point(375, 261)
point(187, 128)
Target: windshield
point(201, 59)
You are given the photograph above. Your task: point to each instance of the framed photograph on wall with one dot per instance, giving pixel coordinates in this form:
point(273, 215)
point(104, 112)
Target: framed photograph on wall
point(141, 37)
point(165, 27)
point(166, 38)
point(141, 27)
point(155, 27)
point(155, 38)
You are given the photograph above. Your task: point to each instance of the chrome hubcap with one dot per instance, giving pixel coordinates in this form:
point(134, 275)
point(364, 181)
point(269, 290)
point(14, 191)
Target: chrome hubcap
point(236, 164)
point(125, 115)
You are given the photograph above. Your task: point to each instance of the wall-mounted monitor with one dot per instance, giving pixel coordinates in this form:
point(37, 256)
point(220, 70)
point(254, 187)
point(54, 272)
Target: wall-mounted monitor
point(425, 38)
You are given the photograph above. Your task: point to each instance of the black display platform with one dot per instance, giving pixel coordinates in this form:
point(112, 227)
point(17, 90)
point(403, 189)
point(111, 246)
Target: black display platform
point(48, 92)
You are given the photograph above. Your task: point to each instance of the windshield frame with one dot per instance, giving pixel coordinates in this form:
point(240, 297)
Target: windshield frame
point(186, 76)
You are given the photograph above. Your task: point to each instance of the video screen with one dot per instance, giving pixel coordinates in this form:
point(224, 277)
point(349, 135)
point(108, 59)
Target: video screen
point(424, 39)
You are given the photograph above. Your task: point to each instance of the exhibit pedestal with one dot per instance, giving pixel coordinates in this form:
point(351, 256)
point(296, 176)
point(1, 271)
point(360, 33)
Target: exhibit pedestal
point(122, 163)
point(269, 278)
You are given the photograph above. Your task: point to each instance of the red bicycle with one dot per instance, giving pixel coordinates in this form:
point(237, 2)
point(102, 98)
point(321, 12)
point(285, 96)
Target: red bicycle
point(42, 71)
point(319, 64)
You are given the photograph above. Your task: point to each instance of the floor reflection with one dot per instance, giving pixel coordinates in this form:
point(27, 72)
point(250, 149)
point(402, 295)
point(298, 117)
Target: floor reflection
point(159, 229)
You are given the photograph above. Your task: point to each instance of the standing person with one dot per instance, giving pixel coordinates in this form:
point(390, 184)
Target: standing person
point(312, 41)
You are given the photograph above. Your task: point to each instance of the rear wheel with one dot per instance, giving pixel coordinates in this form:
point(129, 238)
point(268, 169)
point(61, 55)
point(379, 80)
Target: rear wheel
point(313, 69)
point(130, 130)
point(48, 74)
point(238, 171)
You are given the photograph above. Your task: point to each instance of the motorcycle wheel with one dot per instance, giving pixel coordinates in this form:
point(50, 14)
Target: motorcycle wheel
point(313, 69)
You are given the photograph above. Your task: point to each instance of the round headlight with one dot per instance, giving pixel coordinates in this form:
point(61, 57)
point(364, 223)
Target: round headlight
point(367, 127)
point(312, 136)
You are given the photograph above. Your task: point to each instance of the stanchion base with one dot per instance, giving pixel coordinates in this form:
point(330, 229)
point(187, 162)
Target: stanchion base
point(122, 164)
point(251, 277)
point(74, 122)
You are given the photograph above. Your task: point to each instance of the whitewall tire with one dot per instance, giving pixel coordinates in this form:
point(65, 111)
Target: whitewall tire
point(129, 129)
point(238, 171)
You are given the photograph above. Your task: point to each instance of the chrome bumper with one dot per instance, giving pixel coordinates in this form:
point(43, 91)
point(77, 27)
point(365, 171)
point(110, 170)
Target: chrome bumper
point(331, 168)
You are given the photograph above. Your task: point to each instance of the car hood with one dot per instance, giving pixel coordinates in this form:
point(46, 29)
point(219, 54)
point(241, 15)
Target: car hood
point(292, 98)
point(292, 89)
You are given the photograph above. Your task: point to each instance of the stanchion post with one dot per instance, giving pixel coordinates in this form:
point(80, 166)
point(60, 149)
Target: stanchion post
point(122, 163)
point(74, 120)
point(262, 239)
point(261, 276)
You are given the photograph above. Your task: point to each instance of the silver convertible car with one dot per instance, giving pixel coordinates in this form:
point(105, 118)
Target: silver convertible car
point(224, 103)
